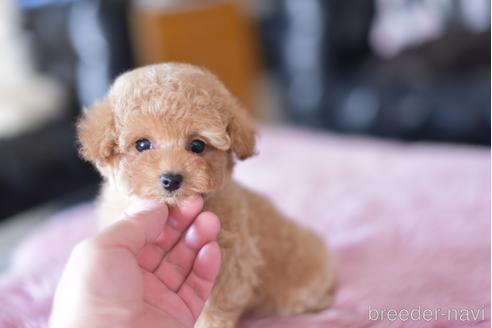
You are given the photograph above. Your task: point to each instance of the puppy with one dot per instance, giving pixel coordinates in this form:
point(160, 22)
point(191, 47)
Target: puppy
point(169, 131)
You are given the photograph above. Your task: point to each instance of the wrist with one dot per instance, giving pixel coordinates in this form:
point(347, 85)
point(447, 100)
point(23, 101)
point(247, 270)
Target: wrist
point(90, 312)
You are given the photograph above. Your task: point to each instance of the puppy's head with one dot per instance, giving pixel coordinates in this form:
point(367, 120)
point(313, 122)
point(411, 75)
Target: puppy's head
point(165, 132)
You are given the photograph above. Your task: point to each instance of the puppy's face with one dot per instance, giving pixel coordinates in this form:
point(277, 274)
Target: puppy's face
point(169, 158)
point(166, 132)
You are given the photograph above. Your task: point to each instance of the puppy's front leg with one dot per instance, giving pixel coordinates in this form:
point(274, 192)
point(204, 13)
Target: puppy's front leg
point(214, 317)
point(231, 296)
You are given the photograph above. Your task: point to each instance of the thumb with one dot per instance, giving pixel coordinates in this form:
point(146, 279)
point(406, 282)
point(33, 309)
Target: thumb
point(142, 224)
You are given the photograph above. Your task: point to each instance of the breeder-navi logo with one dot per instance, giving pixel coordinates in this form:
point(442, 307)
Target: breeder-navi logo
point(426, 314)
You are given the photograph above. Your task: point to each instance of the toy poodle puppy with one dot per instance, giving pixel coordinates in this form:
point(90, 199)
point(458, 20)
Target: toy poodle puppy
point(170, 131)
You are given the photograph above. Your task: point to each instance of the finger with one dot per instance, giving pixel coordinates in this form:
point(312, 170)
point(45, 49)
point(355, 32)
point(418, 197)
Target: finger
point(178, 263)
point(197, 286)
point(135, 230)
point(180, 218)
point(149, 257)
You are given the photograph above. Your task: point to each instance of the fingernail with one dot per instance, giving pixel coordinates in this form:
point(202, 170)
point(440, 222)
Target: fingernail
point(192, 237)
point(139, 205)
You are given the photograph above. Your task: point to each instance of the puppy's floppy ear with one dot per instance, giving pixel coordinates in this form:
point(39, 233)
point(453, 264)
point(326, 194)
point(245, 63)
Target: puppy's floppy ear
point(242, 134)
point(97, 134)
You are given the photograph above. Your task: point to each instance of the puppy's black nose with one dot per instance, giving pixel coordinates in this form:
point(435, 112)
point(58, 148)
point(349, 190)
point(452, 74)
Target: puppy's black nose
point(171, 181)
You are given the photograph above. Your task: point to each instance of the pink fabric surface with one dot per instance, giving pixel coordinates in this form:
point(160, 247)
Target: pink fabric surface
point(408, 225)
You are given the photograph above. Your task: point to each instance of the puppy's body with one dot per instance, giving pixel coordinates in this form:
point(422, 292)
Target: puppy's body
point(269, 264)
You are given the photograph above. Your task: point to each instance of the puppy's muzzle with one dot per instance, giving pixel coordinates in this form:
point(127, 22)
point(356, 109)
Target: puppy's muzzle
point(171, 181)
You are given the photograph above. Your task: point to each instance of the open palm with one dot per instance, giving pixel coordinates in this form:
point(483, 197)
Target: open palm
point(147, 271)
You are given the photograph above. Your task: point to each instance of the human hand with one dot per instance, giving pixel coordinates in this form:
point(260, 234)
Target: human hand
point(155, 267)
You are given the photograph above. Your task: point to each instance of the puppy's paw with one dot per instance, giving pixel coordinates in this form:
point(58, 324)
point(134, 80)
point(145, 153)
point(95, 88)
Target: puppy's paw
point(216, 320)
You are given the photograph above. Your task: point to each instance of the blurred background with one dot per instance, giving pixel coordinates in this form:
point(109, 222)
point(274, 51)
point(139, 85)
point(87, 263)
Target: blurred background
point(412, 70)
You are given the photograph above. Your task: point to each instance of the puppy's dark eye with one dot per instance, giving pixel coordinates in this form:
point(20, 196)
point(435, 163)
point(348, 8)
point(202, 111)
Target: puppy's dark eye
point(143, 144)
point(196, 146)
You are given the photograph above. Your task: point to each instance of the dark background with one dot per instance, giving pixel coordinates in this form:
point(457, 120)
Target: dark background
point(407, 70)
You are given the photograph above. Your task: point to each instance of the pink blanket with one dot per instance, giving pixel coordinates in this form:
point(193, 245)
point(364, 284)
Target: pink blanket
point(409, 227)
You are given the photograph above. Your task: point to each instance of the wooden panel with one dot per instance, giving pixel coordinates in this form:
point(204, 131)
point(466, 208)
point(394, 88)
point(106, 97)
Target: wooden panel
point(219, 37)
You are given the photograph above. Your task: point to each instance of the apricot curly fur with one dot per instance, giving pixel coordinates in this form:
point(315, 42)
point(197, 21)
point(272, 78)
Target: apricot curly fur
point(269, 264)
